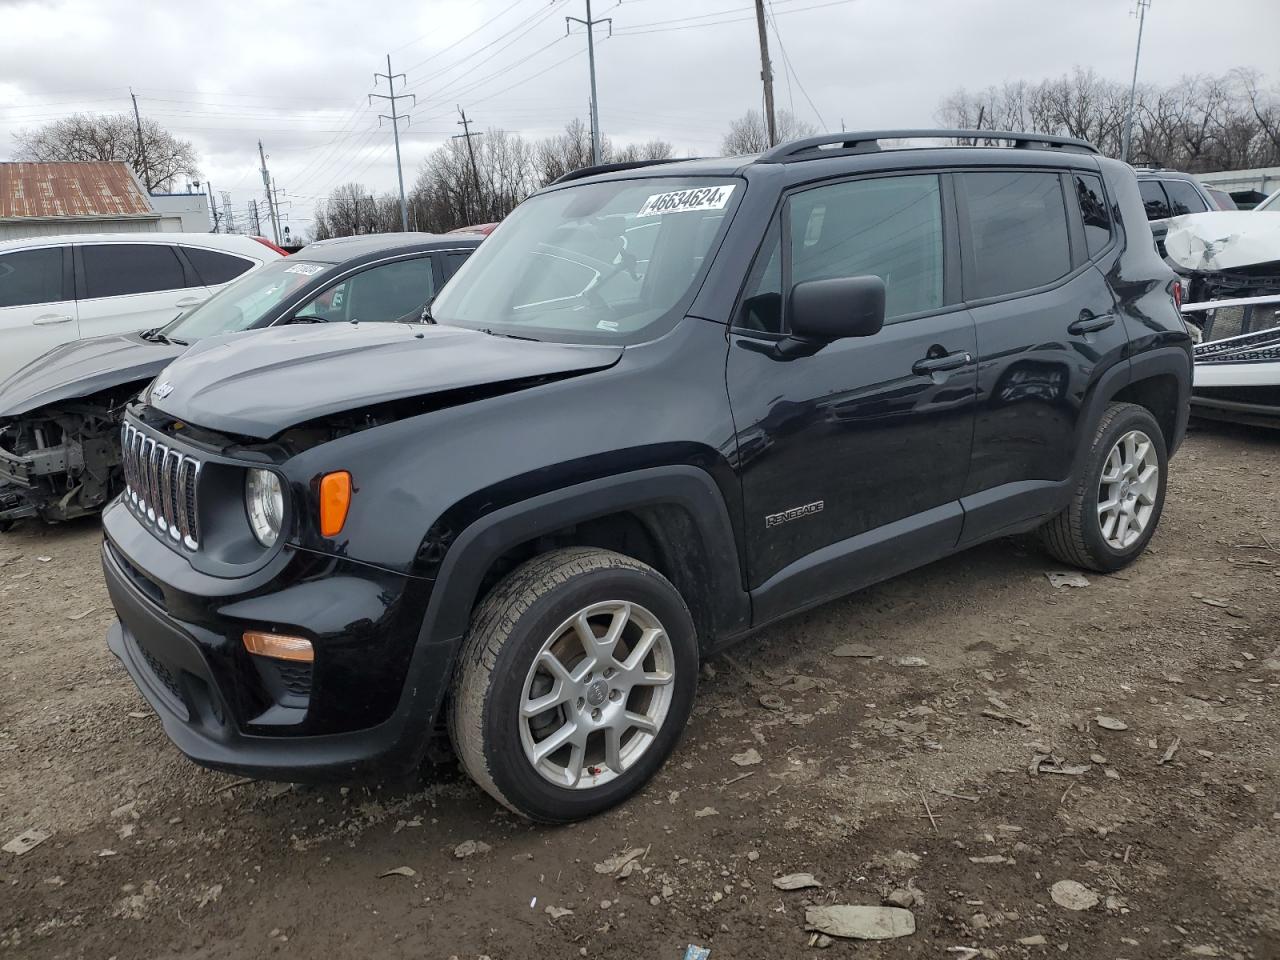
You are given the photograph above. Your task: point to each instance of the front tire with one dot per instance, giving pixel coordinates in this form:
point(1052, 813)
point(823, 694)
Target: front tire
point(1119, 496)
point(575, 682)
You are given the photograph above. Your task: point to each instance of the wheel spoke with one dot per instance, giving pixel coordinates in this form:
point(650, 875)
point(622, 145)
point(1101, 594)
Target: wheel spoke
point(577, 758)
point(640, 722)
point(642, 648)
point(1122, 527)
point(554, 742)
point(1114, 467)
point(1108, 507)
point(556, 696)
point(551, 663)
point(659, 679)
point(606, 644)
point(613, 749)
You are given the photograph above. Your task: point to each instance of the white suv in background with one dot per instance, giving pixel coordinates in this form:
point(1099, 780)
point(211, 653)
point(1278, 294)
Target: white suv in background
point(57, 289)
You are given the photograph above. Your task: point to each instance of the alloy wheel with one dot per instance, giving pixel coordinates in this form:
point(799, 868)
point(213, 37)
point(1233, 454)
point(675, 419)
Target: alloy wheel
point(596, 695)
point(1128, 488)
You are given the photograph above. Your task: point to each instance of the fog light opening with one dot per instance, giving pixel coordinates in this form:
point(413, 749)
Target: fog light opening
point(279, 647)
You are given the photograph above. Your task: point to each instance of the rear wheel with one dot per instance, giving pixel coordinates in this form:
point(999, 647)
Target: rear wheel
point(576, 680)
point(1119, 496)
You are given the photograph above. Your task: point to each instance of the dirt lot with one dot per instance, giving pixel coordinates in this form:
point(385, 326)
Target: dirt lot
point(907, 768)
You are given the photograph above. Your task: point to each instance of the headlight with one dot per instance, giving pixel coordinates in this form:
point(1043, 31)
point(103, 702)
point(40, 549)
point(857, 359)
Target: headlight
point(264, 503)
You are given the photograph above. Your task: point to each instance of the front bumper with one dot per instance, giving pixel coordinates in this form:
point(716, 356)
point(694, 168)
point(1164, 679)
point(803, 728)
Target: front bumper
point(368, 710)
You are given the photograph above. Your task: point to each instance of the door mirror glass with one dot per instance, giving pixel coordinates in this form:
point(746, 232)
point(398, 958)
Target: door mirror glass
point(826, 310)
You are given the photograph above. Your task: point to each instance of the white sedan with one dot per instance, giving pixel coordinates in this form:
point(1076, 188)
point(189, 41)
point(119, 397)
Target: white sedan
point(57, 289)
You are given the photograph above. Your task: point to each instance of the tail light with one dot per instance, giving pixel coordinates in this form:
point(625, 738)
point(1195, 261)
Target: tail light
point(1177, 294)
point(267, 243)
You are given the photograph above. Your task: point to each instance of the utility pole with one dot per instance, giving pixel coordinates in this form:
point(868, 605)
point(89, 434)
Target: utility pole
point(466, 134)
point(1141, 13)
point(766, 74)
point(271, 206)
point(226, 211)
point(213, 206)
point(142, 146)
point(278, 204)
point(395, 119)
point(589, 23)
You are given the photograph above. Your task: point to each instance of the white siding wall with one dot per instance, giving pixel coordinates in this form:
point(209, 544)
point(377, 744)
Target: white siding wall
point(17, 228)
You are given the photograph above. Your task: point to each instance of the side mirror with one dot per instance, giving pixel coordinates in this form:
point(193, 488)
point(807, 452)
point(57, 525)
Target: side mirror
point(825, 310)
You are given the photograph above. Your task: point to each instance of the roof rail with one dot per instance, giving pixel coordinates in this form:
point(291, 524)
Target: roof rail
point(867, 141)
point(611, 168)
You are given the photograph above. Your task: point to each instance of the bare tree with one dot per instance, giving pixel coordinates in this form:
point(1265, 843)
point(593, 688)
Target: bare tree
point(84, 136)
point(750, 134)
point(1199, 124)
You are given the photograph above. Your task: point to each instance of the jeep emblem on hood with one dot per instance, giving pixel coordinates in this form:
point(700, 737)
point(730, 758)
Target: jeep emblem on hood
point(162, 390)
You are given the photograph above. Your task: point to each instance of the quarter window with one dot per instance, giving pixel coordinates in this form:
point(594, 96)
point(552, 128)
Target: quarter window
point(1183, 198)
point(1153, 199)
point(1093, 211)
point(118, 269)
point(216, 268)
point(888, 227)
point(29, 277)
point(1018, 231)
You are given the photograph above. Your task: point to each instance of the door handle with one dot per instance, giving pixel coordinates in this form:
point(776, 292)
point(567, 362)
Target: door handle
point(47, 319)
point(947, 361)
point(1091, 323)
point(190, 301)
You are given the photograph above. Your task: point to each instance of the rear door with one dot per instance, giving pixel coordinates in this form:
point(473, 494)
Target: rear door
point(37, 306)
point(209, 271)
point(1033, 241)
point(126, 287)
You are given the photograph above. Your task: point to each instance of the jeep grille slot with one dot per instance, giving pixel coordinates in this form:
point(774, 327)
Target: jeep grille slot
point(160, 486)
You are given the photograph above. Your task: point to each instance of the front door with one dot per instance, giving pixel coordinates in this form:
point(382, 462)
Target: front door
point(37, 309)
point(852, 460)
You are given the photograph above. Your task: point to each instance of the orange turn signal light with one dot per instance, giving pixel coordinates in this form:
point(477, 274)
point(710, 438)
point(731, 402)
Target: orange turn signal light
point(279, 647)
point(335, 500)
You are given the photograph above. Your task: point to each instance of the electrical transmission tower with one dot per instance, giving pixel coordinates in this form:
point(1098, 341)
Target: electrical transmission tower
point(391, 97)
point(226, 211)
point(589, 23)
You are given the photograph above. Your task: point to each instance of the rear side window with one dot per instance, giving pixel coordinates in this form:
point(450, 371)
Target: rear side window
point(119, 269)
point(214, 268)
point(453, 261)
point(29, 277)
point(1093, 211)
point(888, 227)
point(1018, 231)
point(1184, 198)
point(1153, 199)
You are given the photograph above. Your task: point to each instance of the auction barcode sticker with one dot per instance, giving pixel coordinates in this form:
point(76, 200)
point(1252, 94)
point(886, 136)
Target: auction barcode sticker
point(306, 269)
point(685, 201)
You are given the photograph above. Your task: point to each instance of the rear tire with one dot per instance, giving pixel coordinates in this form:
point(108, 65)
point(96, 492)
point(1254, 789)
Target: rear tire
point(1119, 495)
point(574, 685)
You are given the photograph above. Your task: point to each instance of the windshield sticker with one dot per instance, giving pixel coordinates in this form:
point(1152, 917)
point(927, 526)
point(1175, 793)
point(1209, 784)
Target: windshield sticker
point(610, 325)
point(685, 201)
point(306, 269)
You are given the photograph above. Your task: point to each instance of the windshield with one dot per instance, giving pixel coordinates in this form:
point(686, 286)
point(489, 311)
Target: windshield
point(1271, 204)
point(596, 263)
point(244, 302)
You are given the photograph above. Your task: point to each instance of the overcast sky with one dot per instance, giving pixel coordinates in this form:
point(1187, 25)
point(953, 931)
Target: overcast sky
point(224, 74)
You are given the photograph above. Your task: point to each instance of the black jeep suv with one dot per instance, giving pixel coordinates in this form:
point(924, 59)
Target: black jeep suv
point(661, 407)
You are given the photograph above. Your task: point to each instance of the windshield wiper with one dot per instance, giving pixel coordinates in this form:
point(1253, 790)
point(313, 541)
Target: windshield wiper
point(154, 336)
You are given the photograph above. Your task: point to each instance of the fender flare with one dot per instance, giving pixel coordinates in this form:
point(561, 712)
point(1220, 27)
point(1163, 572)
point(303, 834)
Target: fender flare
point(1172, 361)
point(478, 545)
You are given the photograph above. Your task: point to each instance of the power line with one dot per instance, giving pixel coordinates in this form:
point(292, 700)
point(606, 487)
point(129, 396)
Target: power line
point(786, 60)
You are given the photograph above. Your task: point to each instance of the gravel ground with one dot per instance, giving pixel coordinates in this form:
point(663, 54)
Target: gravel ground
point(952, 760)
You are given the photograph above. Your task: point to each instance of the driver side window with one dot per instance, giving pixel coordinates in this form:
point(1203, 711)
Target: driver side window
point(381, 294)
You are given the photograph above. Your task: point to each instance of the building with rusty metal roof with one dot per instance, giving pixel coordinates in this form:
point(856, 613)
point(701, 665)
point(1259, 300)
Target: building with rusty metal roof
point(44, 199)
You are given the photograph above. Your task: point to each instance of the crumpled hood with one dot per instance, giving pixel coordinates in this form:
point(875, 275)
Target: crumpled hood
point(261, 385)
point(1223, 240)
point(82, 368)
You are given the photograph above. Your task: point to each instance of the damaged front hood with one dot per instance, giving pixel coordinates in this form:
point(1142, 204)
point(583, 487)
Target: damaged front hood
point(259, 386)
point(1223, 240)
point(81, 369)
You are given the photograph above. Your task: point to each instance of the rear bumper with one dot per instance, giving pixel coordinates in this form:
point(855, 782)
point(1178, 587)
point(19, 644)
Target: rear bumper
point(223, 709)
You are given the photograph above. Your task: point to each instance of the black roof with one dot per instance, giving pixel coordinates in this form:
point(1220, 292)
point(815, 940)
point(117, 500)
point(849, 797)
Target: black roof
point(344, 249)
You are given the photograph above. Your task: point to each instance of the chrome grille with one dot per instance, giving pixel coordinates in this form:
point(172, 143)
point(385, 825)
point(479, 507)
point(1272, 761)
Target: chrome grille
point(161, 486)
